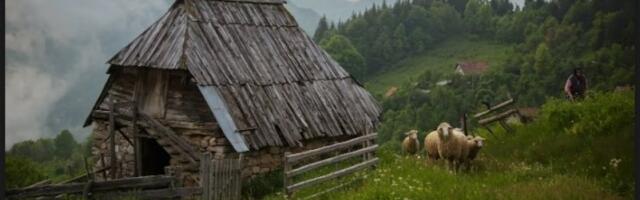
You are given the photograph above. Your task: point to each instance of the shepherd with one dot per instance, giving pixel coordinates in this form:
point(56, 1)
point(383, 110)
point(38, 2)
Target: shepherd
point(576, 85)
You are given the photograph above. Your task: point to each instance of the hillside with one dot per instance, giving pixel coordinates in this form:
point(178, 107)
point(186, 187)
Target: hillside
point(306, 18)
point(531, 163)
point(441, 59)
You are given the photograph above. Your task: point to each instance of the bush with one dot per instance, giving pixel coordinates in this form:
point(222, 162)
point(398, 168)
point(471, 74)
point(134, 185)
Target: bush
point(21, 172)
point(593, 138)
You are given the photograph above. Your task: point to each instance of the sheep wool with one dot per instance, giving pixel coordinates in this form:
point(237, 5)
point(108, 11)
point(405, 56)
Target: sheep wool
point(410, 144)
point(431, 145)
point(451, 149)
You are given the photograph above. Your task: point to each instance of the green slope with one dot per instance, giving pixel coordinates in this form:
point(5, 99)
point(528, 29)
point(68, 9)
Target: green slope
point(441, 59)
point(547, 159)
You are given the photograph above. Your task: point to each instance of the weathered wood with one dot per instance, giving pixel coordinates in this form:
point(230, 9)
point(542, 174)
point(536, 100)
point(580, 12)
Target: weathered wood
point(221, 178)
point(293, 158)
point(43, 182)
point(497, 117)
point(83, 176)
point(137, 142)
point(339, 173)
point(112, 144)
point(286, 168)
point(166, 193)
point(178, 142)
point(494, 108)
point(205, 181)
point(331, 160)
point(77, 188)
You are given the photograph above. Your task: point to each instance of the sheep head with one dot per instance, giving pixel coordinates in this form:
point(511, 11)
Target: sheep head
point(444, 130)
point(479, 141)
point(413, 134)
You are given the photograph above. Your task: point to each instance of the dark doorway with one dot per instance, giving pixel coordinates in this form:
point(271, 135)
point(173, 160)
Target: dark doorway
point(154, 157)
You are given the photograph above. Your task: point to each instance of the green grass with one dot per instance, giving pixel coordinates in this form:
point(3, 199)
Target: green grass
point(441, 59)
point(556, 157)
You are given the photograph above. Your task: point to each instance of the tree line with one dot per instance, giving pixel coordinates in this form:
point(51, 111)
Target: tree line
point(549, 40)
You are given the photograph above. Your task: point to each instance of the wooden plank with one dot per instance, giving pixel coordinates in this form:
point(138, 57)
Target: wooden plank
point(331, 160)
point(112, 144)
point(497, 117)
point(167, 193)
point(339, 173)
point(221, 112)
point(82, 176)
point(293, 158)
point(136, 139)
point(77, 188)
point(178, 142)
point(204, 176)
point(493, 108)
point(43, 182)
point(286, 168)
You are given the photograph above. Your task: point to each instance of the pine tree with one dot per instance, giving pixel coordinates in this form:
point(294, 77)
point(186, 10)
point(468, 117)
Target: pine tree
point(322, 29)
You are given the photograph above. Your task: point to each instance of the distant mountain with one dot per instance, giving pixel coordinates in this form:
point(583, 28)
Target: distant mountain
point(338, 10)
point(307, 18)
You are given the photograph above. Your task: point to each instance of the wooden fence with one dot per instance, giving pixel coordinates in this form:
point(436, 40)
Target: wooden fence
point(220, 179)
point(366, 150)
point(146, 187)
point(488, 116)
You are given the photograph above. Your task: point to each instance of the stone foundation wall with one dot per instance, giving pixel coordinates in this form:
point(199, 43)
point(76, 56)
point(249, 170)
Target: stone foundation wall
point(256, 162)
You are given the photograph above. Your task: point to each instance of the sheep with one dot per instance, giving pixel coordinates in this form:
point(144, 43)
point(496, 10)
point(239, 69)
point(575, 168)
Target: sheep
point(446, 143)
point(471, 149)
point(410, 144)
point(430, 145)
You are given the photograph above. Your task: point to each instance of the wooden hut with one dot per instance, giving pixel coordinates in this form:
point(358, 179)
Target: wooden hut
point(228, 77)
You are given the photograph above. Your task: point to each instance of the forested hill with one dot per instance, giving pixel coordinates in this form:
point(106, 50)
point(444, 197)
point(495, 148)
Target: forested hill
point(546, 40)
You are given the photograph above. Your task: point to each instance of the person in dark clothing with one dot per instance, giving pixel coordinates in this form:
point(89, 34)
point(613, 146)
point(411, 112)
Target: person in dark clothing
point(576, 85)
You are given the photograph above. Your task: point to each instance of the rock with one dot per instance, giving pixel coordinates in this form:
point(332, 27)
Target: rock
point(204, 143)
point(222, 141)
point(212, 141)
point(274, 150)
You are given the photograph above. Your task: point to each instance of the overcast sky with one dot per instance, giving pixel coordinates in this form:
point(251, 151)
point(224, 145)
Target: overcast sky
point(55, 59)
point(55, 55)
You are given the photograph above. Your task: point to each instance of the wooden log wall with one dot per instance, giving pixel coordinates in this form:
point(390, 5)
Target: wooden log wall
point(189, 117)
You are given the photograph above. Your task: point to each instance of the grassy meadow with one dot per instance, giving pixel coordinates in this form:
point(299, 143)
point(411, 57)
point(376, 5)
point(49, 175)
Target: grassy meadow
point(441, 60)
point(565, 154)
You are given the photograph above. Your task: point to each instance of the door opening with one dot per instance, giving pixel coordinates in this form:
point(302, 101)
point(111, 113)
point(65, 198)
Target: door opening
point(154, 158)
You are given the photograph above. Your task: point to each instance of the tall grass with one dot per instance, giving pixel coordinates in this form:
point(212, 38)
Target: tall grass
point(580, 150)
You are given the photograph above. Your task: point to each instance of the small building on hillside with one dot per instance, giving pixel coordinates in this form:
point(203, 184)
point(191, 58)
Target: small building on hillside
point(471, 67)
point(229, 77)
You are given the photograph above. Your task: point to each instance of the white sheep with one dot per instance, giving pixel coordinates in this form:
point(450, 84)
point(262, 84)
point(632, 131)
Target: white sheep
point(471, 149)
point(431, 145)
point(446, 143)
point(410, 144)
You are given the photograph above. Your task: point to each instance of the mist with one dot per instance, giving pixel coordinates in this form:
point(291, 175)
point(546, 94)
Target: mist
point(55, 59)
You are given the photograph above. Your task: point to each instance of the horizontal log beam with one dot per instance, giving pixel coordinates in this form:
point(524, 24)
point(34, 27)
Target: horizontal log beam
point(80, 177)
point(259, 1)
point(293, 158)
point(331, 160)
point(78, 188)
point(494, 108)
point(497, 117)
point(167, 193)
point(336, 174)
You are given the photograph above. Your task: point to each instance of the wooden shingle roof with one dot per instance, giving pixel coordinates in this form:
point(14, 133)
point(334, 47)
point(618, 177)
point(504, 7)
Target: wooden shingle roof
point(279, 86)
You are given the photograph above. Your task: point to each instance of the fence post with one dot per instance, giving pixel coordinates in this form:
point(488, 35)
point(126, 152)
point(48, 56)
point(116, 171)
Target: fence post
point(136, 139)
point(205, 163)
point(112, 135)
point(286, 168)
